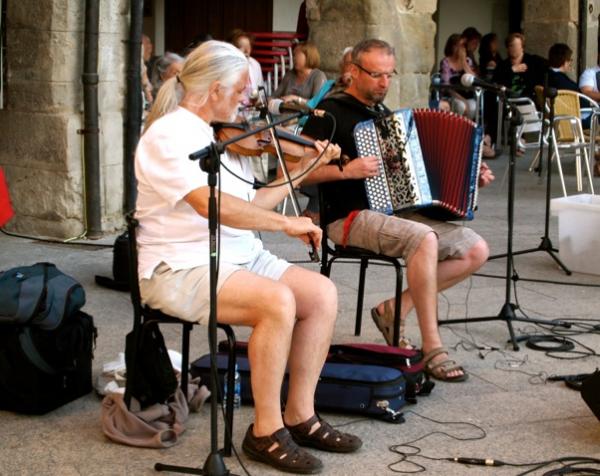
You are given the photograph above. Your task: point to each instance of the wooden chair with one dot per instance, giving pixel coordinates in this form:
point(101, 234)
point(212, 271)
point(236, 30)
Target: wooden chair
point(330, 254)
point(143, 315)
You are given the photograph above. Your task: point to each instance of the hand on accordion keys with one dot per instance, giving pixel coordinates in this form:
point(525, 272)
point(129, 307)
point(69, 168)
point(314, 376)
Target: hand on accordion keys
point(362, 167)
point(486, 176)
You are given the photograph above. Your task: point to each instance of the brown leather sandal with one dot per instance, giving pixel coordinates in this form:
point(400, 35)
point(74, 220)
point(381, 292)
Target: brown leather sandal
point(441, 369)
point(286, 456)
point(325, 437)
point(385, 324)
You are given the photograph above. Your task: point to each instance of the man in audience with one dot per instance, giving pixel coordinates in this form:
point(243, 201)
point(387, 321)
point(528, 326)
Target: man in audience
point(437, 254)
point(589, 83)
point(560, 62)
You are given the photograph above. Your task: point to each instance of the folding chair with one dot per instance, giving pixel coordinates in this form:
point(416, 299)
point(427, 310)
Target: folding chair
point(143, 315)
point(529, 133)
point(330, 254)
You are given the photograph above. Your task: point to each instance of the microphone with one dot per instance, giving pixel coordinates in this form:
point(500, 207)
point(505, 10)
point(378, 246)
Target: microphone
point(278, 106)
point(470, 80)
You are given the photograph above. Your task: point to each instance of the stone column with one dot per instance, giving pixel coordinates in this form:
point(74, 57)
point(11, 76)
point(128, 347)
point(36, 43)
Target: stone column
point(405, 24)
point(546, 23)
point(42, 151)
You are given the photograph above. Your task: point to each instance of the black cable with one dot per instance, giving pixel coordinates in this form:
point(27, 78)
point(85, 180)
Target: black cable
point(55, 242)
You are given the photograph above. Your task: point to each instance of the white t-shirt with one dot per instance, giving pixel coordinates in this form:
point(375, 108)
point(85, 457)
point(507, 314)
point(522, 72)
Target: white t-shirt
point(588, 78)
point(170, 229)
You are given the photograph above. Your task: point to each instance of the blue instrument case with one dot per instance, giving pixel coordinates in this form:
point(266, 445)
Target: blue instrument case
point(370, 390)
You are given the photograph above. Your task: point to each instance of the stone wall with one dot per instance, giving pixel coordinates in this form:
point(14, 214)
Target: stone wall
point(41, 151)
point(406, 24)
point(546, 23)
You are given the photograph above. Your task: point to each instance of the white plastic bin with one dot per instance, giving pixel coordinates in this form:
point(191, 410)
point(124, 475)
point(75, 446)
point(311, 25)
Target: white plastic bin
point(579, 231)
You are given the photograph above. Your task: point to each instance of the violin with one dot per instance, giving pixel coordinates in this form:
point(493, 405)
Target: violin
point(288, 146)
point(294, 147)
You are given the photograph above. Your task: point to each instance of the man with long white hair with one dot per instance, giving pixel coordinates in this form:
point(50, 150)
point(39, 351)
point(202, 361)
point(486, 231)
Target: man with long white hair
point(291, 310)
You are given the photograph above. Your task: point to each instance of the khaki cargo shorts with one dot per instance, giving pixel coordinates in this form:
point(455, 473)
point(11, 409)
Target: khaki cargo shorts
point(185, 293)
point(400, 236)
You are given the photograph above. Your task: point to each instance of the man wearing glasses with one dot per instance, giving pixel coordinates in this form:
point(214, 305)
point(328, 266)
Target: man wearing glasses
point(437, 254)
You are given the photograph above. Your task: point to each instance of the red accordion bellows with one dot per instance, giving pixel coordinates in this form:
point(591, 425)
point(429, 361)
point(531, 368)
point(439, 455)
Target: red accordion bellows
point(447, 144)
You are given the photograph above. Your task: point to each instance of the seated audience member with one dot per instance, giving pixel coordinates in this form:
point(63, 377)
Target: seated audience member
point(291, 310)
point(147, 56)
point(472, 40)
point(589, 84)
point(437, 254)
point(242, 41)
point(488, 56)
point(165, 67)
point(520, 72)
point(306, 79)
point(454, 64)
point(560, 62)
point(345, 77)
point(196, 41)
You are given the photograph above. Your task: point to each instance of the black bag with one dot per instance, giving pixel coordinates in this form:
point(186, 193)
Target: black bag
point(41, 370)
point(370, 390)
point(39, 295)
point(150, 374)
point(46, 342)
point(120, 267)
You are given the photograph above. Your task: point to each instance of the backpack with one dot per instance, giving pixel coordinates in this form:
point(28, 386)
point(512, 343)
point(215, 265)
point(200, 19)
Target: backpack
point(120, 266)
point(46, 341)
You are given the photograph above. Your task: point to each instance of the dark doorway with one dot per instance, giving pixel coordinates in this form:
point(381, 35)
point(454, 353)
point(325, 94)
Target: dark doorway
point(515, 16)
point(185, 19)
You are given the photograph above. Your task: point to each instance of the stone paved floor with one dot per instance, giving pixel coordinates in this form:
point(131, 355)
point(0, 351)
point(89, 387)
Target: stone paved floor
point(524, 419)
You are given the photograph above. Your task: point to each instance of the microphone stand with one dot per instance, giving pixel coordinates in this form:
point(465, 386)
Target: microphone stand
point(546, 243)
point(507, 312)
point(210, 162)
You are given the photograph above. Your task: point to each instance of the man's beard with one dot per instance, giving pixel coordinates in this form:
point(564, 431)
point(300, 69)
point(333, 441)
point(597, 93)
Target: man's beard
point(376, 97)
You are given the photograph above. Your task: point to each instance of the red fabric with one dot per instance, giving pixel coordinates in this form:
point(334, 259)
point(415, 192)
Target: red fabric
point(347, 224)
point(6, 211)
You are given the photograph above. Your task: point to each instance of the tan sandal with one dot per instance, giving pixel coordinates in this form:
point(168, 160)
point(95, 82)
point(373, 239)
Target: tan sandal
point(441, 369)
point(385, 324)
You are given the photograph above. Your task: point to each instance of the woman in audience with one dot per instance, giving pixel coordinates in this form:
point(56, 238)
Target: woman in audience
point(165, 67)
point(305, 80)
point(488, 55)
point(243, 42)
point(452, 67)
point(472, 40)
point(520, 72)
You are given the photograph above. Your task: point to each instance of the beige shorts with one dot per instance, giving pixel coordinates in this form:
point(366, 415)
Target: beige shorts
point(185, 293)
point(400, 236)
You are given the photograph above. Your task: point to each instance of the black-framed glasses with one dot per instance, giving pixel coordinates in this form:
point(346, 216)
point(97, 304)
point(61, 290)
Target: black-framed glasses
point(376, 75)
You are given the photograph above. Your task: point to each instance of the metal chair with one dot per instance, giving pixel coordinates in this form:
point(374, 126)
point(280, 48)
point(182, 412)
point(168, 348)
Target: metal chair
point(351, 254)
point(143, 315)
point(567, 135)
point(530, 131)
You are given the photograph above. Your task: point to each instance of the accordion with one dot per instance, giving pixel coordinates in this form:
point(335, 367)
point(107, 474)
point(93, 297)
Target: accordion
point(428, 160)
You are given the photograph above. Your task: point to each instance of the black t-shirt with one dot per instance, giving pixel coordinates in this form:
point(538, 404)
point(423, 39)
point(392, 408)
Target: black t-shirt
point(342, 196)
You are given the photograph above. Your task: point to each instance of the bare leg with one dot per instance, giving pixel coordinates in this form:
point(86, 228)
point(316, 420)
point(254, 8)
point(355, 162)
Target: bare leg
point(269, 307)
point(449, 272)
point(316, 310)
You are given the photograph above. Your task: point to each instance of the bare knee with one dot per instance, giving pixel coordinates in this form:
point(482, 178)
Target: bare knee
point(325, 297)
point(279, 307)
point(428, 245)
point(478, 255)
